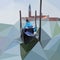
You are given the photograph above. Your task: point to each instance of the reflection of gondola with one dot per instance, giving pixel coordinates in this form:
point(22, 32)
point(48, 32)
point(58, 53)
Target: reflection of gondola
point(27, 35)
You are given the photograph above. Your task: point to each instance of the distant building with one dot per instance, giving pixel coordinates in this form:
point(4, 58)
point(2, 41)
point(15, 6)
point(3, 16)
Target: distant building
point(44, 17)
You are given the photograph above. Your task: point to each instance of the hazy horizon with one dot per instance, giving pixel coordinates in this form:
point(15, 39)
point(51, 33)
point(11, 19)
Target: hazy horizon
point(9, 9)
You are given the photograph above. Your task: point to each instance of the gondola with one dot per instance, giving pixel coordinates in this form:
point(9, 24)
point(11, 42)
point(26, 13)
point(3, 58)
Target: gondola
point(27, 35)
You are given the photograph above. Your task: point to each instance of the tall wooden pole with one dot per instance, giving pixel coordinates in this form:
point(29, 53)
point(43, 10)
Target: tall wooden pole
point(40, 21)
point(35, 18)
point(20, 21)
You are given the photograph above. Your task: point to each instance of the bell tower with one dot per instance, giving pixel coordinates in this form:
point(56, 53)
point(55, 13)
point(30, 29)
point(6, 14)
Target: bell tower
point(29, 13)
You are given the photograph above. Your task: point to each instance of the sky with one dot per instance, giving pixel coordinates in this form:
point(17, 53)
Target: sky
point(9, 9)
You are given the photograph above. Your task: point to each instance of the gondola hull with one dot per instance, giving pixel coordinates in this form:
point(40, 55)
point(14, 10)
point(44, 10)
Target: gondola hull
point(27, 35)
